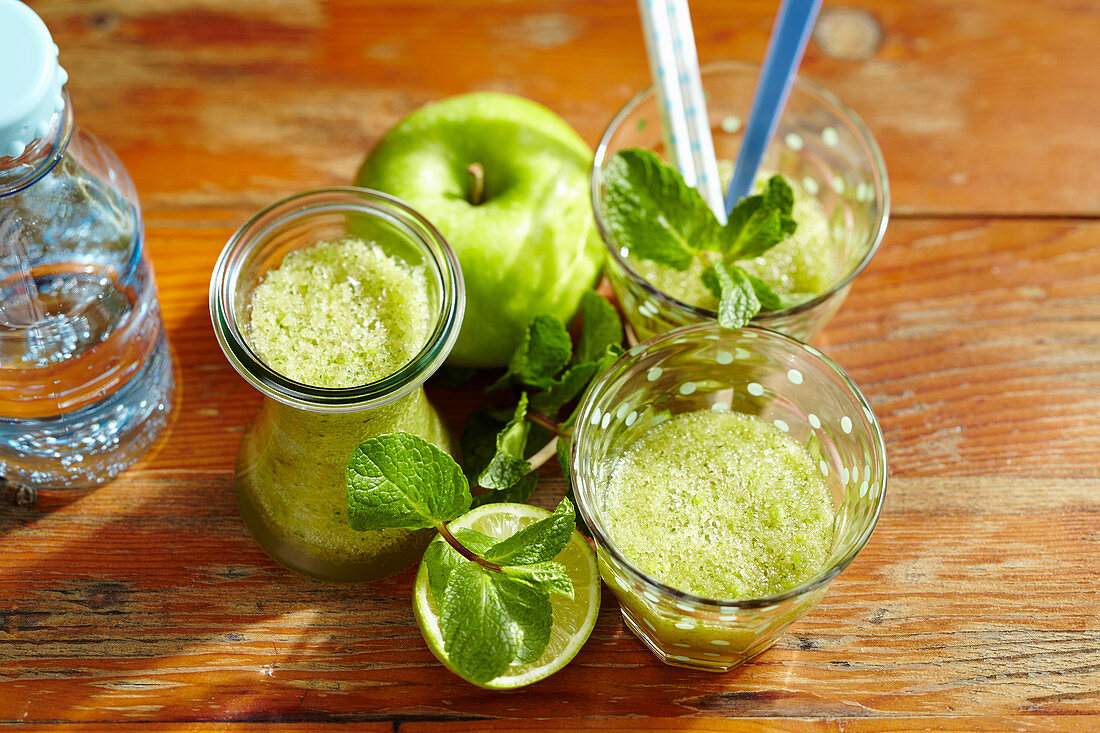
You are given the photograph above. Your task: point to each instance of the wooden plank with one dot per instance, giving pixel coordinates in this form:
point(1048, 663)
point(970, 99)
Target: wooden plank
point(980, 107)
point(943, 723)
point(146, 600)
point(978, 345)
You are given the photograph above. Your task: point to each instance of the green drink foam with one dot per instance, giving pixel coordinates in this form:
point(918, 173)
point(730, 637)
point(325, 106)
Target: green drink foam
point(721, 505)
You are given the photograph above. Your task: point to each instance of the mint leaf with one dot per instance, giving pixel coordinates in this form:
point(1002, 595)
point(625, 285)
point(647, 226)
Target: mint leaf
point(755, 231)
point(531, 616)
point(652, 212)
point(480, 635)
point(570, 386)
point(544, 351)
point(737, 299)
point(735, 222)
point(519, 492)
point(759, 222)
point(538, 542)
point(440, 559)
point(600, 328)
point(564, 389)
point(769, 301)
point(779, 195)
point(477, 542)
point(516, 601)
point(549, 577)
point(403, 481)
point(508, 465)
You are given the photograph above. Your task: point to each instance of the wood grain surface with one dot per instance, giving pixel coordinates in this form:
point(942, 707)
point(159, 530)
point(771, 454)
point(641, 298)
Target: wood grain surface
point(975, 334)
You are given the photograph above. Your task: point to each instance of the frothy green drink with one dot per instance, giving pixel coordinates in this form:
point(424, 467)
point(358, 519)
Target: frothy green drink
point(336, 314)
point(340, 314)
point(721, 505)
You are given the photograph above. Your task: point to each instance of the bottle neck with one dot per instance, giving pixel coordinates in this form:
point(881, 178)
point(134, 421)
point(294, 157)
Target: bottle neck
point(41, 155)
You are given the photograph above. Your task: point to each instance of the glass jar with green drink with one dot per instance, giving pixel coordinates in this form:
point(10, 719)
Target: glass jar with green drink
point(336, 304)
point(841, 205)
point(727, 478)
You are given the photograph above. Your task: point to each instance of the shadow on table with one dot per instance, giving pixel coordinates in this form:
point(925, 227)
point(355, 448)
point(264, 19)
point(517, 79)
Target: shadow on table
point(147, 600)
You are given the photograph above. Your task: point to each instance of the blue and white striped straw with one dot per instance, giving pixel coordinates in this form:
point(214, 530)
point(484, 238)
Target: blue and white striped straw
point(674, 65)
point(695, 107)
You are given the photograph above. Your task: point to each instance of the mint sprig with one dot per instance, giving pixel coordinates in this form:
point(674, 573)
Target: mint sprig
point(500, 453)
point(493, 595)
point(657, 216)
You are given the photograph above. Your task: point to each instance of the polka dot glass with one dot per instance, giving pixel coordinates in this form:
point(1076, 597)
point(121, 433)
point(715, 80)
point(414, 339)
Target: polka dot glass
point(820, 143)
point(753, 371)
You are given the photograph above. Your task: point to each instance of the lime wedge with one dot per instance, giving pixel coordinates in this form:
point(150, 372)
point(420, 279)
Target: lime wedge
point(573, 617)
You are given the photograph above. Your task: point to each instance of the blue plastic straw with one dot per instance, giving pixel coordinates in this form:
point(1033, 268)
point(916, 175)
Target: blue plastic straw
point(788, 42)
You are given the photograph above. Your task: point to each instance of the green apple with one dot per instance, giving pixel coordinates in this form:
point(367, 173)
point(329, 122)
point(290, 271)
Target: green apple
point(505, 181)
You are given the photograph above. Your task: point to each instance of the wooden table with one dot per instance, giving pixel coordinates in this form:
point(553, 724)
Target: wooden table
point(975, 333)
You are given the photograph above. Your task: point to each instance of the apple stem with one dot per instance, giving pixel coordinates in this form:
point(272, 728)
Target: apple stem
point(477, 193)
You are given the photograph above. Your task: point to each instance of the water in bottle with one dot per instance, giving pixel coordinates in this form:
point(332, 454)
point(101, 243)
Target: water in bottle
point(85, 373)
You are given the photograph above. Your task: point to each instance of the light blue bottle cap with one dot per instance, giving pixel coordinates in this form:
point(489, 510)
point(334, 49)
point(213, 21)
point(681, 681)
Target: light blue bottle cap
point(30, 78)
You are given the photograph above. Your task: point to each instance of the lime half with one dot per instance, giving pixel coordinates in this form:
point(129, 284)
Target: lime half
point(573, 617)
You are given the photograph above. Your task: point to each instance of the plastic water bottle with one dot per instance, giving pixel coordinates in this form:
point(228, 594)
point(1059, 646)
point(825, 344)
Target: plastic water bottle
point(85, 373)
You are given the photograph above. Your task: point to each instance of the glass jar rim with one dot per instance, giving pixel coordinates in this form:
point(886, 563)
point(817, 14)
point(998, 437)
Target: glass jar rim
point(591, 517)
point(803, 84)
point(411, 375)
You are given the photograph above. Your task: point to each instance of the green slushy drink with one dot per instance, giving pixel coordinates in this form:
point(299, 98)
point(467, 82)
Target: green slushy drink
point(334, 315)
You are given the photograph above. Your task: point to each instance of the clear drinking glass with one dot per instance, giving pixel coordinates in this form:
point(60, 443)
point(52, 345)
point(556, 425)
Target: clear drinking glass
point(752, 371)
point(290, 475)
point(820, 144)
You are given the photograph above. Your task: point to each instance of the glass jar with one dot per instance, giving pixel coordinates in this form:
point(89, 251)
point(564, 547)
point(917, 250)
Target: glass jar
point(755, 372)
point(821, 145)
point(290, 474)
point(85, 372)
